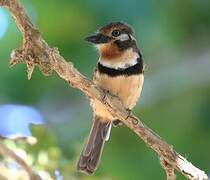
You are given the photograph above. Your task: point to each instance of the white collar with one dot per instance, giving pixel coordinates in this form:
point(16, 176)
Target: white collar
point(119, 65)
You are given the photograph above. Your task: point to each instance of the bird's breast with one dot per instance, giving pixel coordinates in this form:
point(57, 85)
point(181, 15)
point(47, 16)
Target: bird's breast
point(127, 88)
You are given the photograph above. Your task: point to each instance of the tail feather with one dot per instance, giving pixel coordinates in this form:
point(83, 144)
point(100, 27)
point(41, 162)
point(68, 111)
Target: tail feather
point(90, 156)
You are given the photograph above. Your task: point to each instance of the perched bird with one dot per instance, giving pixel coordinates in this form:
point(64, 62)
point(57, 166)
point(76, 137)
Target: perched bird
point(120, 72)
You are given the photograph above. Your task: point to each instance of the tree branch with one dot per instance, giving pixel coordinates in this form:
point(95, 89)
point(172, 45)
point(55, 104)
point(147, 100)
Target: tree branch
point(7, 153)
point(168, 169)
point(35, 51)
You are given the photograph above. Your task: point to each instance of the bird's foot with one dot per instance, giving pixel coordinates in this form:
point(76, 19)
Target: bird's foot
point(129, 112)
point(117, 123)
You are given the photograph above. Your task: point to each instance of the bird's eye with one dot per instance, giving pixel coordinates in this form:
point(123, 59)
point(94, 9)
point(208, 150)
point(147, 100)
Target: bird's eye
point(115, 33)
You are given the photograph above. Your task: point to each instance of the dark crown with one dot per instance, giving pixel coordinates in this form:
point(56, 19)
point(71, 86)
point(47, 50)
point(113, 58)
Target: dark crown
point(117, 25)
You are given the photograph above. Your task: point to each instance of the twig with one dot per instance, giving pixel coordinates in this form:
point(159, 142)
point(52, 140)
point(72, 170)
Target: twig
point(35, 51)
point(168, 169)
point(7, 153)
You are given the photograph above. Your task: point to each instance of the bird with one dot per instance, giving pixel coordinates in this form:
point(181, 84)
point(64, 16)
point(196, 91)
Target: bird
point(119, 71)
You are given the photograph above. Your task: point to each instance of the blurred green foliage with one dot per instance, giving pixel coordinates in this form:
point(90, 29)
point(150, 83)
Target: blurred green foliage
point(170, 34)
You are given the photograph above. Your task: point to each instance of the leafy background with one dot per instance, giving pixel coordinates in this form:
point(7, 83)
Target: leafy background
point(174, 37)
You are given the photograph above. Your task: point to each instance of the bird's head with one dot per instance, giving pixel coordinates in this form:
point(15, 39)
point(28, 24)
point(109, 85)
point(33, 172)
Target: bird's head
point(115, 42)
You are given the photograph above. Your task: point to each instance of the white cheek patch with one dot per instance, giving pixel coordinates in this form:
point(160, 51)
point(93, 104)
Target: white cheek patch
point(133, 38)
point(123, 37)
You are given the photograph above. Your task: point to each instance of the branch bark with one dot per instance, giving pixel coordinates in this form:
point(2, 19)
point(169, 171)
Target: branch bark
point(35, 51)
point(168, 169)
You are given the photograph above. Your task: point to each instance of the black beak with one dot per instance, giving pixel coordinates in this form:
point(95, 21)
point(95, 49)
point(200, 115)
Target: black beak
point(97, 38)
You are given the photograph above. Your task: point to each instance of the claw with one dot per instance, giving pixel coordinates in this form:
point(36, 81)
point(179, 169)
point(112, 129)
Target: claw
point(129, 112)
point(117, 123)
point(105, 93)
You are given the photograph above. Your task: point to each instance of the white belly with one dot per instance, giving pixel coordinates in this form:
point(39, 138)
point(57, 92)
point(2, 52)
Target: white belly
point(127, 88)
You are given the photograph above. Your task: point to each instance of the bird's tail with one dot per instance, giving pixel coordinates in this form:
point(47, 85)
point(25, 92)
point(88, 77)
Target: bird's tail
point(90, 156)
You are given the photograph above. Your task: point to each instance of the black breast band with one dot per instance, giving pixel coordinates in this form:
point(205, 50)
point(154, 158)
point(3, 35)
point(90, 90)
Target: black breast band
point(132, 70)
